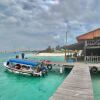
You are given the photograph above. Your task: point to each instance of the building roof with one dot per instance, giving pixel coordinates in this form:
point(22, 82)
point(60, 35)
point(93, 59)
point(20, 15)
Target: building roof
point(90, 35)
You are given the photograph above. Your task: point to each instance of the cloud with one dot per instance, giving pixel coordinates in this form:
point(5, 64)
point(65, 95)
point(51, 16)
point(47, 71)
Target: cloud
point(39, 23)
point(2, 15)
point(5, 2)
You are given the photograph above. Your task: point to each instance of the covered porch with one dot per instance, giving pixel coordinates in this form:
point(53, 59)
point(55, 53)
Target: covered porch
point(92, 55)
point(78, 49)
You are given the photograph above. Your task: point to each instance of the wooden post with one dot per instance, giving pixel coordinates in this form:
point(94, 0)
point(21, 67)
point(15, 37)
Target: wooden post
point(85, 53)
point(65, 55)
point(66, 48)
point(61, 70)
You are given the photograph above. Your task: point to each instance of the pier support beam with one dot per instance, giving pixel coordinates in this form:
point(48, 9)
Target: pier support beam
point(61, 70)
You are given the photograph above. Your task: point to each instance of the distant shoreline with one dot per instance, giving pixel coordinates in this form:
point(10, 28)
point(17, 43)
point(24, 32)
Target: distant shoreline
point(50, 54)
point(46, 54)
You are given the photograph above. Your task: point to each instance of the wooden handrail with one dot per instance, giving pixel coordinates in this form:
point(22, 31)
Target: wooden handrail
point(92, 42)
point(92, 58)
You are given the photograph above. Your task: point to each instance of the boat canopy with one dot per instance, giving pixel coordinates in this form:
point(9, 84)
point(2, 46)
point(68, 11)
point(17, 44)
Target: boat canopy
point(25, 62)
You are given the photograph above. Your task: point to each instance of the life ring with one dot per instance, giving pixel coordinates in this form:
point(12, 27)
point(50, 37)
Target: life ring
point(49, 67)
point(94, 70)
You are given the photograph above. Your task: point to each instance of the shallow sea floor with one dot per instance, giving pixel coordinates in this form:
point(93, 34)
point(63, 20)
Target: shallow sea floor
point(19, 87)
point(96, 85)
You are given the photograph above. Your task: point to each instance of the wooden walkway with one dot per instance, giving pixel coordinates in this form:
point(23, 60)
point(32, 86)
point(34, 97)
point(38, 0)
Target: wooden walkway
point(76, 86)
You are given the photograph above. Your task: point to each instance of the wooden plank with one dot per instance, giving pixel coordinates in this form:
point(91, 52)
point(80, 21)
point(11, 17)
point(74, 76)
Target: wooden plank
point(76, 86)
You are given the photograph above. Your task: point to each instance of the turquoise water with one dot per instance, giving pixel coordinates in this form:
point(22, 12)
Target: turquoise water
point(51, 58)
point(6, 56)
point(18, 87)
point(96, 85)
point(95, 77)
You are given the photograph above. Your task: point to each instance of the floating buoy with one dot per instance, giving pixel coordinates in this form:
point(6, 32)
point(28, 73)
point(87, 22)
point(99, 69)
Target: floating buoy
point(49, 67)
point(94, 69)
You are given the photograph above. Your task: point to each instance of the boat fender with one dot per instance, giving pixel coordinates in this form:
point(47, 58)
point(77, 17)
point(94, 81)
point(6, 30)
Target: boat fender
point(49, 67)
point(40, 73)
point(94, 69)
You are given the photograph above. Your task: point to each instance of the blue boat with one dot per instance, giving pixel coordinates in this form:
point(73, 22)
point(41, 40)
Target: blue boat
point(25, 62)
point(27, 67)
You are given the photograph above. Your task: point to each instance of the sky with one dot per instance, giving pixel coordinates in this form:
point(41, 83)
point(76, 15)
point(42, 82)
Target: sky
point(36, 24)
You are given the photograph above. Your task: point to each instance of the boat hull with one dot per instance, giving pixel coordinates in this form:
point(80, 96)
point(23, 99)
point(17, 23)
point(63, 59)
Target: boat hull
point(29, 73)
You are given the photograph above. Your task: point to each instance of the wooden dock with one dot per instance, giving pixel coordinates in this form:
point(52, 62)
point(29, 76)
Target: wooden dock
point(76, 86)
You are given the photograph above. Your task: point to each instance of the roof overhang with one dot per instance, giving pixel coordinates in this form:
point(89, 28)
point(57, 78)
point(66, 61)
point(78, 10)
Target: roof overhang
point(76, 46)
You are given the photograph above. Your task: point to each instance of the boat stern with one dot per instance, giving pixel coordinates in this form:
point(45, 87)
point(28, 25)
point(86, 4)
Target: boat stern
point(5, 64)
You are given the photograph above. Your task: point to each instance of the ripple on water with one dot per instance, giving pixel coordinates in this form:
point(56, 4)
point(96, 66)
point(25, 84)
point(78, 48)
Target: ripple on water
point(19, 87)
point(96, 85)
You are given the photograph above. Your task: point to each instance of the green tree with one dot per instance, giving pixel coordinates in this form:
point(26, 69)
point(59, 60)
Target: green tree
point(49, 49)
point(58, 47)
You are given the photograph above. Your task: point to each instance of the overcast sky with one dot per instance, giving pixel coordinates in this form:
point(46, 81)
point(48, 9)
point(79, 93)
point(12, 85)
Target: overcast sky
point(36, 24)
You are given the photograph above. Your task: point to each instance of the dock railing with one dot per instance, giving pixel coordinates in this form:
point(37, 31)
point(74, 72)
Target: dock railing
point(94, 59)
point(92, 42)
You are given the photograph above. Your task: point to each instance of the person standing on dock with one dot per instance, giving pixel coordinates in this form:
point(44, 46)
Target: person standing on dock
point(17, 56)
point(23, 55)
